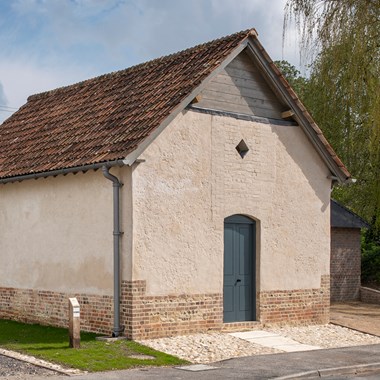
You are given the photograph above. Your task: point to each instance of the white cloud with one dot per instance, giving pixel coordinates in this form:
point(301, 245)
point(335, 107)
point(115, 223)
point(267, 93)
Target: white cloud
point(46, 44)
point(5, 111)
point(3, 98)
point(23, 79)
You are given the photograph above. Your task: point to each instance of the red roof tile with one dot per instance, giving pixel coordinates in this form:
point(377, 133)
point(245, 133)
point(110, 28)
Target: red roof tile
point(106, 118)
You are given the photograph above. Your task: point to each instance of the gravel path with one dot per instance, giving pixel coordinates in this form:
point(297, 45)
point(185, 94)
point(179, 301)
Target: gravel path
point(206, 348)
point(327, 336)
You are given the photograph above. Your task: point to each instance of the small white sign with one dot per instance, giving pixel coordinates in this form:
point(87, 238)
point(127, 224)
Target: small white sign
point(74, 302)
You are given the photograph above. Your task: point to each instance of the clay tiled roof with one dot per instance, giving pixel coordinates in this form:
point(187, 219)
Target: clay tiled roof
point(106, 118)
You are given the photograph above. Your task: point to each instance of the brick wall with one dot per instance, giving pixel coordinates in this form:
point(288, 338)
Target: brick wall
point(147, 316)
point(51, 308)
point(369, 295)
point(160, 316)
point(143, 316)
point(345, 264)
point(296, 306)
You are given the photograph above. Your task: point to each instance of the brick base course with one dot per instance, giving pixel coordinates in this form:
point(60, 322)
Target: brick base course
point(160, 316)
point(368, 295)
point(296, 306)
point(147, 316)
point(51, 308)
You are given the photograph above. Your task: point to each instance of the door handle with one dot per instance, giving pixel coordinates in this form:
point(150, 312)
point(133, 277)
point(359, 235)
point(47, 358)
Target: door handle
point(238, 280)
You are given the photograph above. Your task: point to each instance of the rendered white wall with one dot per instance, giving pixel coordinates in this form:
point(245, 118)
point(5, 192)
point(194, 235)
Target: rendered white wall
point(193, 178)
point(56, 233)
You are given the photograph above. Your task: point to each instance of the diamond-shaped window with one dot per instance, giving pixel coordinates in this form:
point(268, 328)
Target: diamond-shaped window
point(242, 148)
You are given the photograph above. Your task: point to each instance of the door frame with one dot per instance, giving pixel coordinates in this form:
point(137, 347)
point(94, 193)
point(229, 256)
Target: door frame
point(242, 219)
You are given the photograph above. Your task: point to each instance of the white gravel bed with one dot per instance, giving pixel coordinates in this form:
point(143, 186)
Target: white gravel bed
point(326, 336)
point(207, 348)
point(212, 347)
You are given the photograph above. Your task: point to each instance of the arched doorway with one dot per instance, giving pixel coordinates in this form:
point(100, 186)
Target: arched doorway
point(239, 293)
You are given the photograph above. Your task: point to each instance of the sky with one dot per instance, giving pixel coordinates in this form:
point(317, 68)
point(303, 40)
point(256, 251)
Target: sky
point(46, 44)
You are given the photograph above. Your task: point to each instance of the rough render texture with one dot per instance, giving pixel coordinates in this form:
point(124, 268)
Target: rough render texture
point(193, 178)
point(345, 264)
point(57, 233)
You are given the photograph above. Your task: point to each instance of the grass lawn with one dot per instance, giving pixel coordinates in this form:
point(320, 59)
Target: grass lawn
point(52, 344)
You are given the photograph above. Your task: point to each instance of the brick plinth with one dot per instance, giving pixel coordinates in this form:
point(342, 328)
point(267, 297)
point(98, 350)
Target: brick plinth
point(146, 316)
point(160, 316)
point(51, 308)
point(368, 295)
point(296, 306)
point(345, 264)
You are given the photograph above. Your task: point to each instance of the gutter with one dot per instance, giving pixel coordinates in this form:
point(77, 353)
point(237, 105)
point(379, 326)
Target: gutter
point(54, 173)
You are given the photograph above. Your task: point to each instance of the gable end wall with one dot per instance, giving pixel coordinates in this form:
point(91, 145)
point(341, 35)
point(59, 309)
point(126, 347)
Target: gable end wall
point(192, 179)
point(241, 88)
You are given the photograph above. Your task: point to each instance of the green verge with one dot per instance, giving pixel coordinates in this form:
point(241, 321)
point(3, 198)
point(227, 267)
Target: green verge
point(52, 344)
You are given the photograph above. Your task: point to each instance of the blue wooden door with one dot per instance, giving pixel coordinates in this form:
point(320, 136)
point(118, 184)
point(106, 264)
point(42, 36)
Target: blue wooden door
point(239, 295)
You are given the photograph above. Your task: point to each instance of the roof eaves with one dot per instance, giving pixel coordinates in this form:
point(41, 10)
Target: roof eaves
point(301, 115)
point(63, 171)
point(133, 156)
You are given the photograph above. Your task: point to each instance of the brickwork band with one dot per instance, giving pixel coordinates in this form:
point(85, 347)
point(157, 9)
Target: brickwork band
point(51, 308)
point(147, 316)
point(368, 295)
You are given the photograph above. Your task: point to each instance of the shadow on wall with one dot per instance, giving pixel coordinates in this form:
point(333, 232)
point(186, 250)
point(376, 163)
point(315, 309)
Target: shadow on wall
point(306, 159)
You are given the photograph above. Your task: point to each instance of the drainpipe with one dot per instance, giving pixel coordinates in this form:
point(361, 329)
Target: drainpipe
point(117, 329)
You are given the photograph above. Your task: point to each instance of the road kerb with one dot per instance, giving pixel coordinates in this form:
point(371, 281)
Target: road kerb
point(325, 372)
point(299, 375)
point(354, 369)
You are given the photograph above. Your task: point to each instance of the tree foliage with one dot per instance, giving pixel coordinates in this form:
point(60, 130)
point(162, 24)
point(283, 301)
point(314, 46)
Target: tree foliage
point(298, 82)
point(341, 41)
point(370, 264)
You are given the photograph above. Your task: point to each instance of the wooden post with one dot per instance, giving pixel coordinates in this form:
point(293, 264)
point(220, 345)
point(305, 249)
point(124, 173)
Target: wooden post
point(74, 323)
